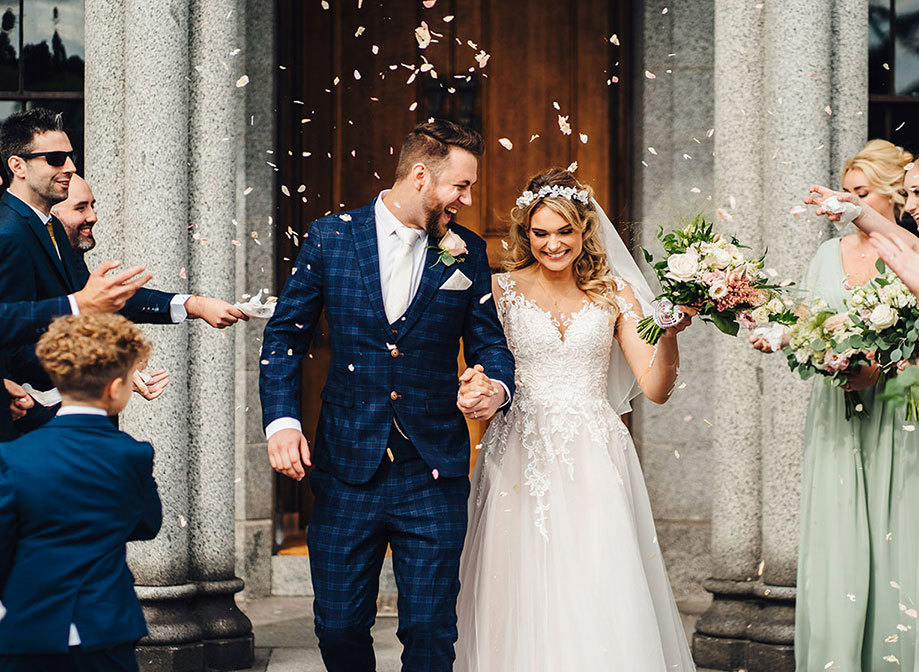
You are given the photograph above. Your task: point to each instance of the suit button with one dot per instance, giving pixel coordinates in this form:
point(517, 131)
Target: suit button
point(393, 395)
point(394, 352)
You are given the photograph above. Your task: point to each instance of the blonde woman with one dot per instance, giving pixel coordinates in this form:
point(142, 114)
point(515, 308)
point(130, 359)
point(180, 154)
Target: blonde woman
point(561, 569)
point(857, 557)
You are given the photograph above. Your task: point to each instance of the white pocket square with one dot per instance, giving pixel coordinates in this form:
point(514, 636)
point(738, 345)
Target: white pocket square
point(457, 282)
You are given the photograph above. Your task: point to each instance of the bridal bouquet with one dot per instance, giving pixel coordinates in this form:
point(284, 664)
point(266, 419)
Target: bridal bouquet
point(828, 343)
point(707, 272)
point(886, 316)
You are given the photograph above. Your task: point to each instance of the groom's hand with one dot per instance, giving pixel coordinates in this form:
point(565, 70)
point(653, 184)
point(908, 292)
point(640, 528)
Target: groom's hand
point(479, 397)
point(288, 451)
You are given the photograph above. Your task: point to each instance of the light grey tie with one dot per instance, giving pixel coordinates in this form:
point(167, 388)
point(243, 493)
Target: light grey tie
point(399, 294)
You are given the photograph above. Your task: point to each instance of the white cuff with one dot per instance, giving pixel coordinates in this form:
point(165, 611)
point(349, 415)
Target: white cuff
point(276, 426)
point(177, 312)
point(75, 309)
point(507, 394)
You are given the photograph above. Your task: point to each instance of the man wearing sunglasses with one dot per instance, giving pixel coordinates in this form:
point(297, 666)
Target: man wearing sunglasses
point(36, 260)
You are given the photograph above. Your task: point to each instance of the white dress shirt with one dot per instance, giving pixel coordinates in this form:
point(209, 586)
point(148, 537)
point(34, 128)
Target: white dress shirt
point(77, 409)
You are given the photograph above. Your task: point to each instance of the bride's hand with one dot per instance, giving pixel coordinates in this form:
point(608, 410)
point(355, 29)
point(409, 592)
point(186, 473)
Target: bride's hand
point(688, 313)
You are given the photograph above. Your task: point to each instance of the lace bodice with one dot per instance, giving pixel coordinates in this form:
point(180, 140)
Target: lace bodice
point(557, 361)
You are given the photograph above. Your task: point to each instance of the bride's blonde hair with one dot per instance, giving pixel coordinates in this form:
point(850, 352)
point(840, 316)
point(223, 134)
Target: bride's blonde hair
point(591, 273)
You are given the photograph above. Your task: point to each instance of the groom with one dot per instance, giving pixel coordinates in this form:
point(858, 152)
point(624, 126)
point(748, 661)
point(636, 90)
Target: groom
point(401, 284)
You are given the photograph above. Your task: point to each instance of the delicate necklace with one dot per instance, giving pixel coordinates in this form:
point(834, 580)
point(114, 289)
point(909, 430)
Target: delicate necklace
point(549, 295)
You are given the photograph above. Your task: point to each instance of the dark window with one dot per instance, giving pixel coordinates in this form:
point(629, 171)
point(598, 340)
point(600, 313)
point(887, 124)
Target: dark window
point(893, 71)
point(41, 61)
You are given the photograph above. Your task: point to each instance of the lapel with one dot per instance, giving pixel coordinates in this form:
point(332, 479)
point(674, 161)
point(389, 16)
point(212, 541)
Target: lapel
point(364, 230)
point(41, 234)
point(431, 279)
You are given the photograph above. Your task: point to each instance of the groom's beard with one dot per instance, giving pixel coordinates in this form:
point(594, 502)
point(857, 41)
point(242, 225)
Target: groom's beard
point(432, 222)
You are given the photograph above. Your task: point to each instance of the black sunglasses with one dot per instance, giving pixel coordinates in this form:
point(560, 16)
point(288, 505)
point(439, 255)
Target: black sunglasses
point(55, 159)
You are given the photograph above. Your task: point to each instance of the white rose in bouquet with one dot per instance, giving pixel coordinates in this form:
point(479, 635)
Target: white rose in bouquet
point(776, 305)
point(882, 317)
point(718, 290)
point(683, 267)
point(760, 315)
point(736, 255)
point(718, 257)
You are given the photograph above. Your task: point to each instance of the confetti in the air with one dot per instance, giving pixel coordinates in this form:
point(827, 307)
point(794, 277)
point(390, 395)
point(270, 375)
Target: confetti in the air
point(423, 35)
point(350, 367)
point(650, 75)
point(448, 18)
point(182, 521)
point(828, 109)
point(797, 210)
point(506, 143)
point(652, 151)
point(485, 298)
point(345, 217)
point(583, 137)
point(534, 136)
point(614, 39)
point(723, 215)
point(428, 4)
point(242, 81)
point(482, 58)
point(435, 474)
point(357, 74)
point(573, 166)
point(563, 125)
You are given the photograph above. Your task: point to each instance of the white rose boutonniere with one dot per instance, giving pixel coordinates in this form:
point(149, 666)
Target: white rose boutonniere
point(451, 249)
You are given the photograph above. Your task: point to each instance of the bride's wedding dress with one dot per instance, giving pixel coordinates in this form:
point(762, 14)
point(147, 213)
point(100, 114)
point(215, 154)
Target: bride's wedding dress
point(561, 571)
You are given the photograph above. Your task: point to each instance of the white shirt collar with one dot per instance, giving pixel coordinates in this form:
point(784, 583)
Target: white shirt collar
point(79, 409)
point(388, 222)
point(42, 216)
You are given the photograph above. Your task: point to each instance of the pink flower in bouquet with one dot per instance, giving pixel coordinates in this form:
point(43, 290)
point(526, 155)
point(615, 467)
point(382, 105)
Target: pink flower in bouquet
point(834, 361)
point(712, 277)
point(741, 293)
point(745, 321)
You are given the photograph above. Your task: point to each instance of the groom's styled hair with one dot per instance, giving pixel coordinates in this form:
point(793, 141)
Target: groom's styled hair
point(429, 143)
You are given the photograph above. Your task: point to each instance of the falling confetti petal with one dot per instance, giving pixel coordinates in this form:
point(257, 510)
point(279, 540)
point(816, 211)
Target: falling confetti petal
point(242, 81)
point(650, 75)
point(892, 659)
point(583, 137)
point(357, 74)
point(534, 136)
point(614, 39)
point(182, 521)
point(507, 144)
point(696, 190)
point(345, 217)
point(892, 639)
point(485, 298)
point(563, 125)
point(909, 428)
point(828, 109)
point(183, 274)
point(652, 151)
point(423, 35)
point(723, 215)
point(482, 58)
point(435, 474)
point(797, 210)
point(573, 166)
point(428, 4)
point(325, 4)
point(448, 18)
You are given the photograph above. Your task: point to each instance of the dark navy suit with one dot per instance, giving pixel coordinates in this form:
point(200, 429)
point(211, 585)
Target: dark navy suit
point(30, 270)
point(72, 494)
point(22, 323)
point(379, 371)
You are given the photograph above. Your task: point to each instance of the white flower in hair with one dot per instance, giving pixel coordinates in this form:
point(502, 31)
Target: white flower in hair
point(554, 191)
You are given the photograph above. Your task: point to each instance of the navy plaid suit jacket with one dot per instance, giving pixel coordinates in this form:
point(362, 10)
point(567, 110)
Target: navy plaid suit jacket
point(378, 369)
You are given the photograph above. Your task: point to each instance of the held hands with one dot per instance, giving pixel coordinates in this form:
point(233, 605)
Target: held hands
point(288, 452)
point(20, 401)
point(216, 312)
point(109, 294)
point(762, 344)
point(479, 397)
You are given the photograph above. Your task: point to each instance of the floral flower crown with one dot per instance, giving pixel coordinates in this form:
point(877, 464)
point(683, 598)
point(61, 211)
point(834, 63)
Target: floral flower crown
point(554, 191)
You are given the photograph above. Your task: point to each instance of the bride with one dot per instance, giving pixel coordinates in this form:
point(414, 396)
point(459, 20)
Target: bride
point(561, 568)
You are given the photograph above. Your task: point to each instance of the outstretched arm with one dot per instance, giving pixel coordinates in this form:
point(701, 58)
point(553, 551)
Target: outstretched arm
point(869, 220)
point(654, 367)
point(902, 259)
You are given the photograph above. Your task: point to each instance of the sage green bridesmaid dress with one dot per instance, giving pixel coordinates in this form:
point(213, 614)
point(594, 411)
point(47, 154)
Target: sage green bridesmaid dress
point(857, 561)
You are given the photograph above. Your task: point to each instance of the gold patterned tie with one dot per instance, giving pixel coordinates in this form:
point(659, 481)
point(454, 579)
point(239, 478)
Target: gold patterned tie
point(50, 228)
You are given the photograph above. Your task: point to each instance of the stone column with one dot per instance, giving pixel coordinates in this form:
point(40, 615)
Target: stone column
point(849, 83)
point(719, 641)
point(214, 112)
point(153, 224)
point(798, 141)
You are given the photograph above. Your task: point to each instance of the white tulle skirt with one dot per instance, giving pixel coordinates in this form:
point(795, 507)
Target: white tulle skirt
point(561, 570)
